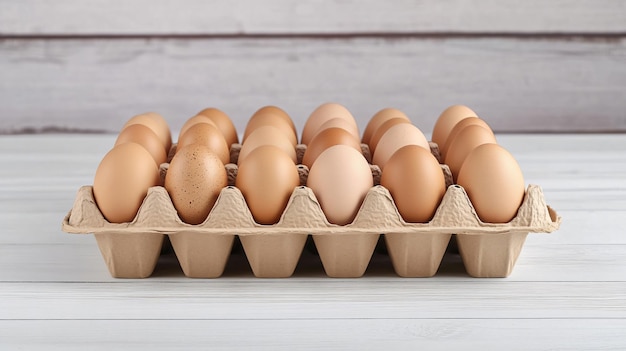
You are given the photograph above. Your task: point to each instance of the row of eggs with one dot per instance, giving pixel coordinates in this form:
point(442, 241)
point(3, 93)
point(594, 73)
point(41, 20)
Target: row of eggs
point(339, 176)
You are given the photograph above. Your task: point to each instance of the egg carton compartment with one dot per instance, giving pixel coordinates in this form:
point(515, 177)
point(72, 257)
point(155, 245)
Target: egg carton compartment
point(131, 250)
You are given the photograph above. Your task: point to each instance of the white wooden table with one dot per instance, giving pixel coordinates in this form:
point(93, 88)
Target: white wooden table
point(567, 291)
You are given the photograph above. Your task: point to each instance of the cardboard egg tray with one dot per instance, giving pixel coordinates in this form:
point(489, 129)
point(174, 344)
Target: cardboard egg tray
point(131, 250)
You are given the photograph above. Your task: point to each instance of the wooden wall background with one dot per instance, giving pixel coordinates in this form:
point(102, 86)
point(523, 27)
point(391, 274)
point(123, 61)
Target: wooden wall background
point(533, 65)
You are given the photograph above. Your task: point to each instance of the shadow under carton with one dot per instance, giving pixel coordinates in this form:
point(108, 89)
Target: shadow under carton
point(131, 250)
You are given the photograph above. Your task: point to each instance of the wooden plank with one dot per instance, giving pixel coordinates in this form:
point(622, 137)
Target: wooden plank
point(303, 334)
point(311, 298)
point(78, 260)
point(141, 17)
point(515, 85)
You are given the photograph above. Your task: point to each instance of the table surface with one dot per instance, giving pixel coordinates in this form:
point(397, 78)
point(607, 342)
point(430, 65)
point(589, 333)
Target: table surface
point(567, 291)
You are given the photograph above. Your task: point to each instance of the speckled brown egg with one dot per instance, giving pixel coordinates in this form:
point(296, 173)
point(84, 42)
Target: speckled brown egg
point(208, 135)
point(144, 136)
point(122, 181)
point(195, 120)
point(194, 180)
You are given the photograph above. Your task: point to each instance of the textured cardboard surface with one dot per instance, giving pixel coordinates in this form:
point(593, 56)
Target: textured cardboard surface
point(416, 248)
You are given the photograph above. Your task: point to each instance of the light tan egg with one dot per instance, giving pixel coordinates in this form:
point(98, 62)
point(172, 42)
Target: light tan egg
point(158, 125)
point(327, 138)
point(267, 178)
point(339, 123)
point(340, 178)
point(195, 120)
point(465, 122)
point(224, 124)
point(378, 133)
point(277, 111)
point(494, 183)
point(416, 182)
point(267, 135)
point(378, 119)
point(395, 138)
point(274, 120)
point(209, 136)
point(322, 114)
point(194, 180)
point(122, 180)
point(144, 136)
point(465, 141)
point(447, 120)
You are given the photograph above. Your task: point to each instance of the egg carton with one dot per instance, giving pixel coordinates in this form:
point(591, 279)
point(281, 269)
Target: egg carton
point(131, 250)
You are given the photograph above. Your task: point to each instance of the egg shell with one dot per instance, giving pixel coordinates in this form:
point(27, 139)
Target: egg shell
point(466, 141)
point(322, 114)
point(194, 180)
point(328, 138)
point(157, 123)
point(447, 120)
point(339, 123)
point(267, 135)
point(395, 138)
point(273, 120)
point(494, 183)
point(266, 178)
point(223, 122)
point(208, 135)
point(144, 136)
point(465, 122)
point(340, 178)
point(416, 183)
point(122, 181)
point(378, 119)
point(195, 120)
point(277, 111)
point(378, 133)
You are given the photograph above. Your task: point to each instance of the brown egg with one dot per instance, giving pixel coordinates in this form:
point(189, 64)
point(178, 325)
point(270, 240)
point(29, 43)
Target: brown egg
point(322, 114)
point(325, 139)
point(224, 124)
point(267, 119)
point(447, 120)
point(194, 180)
point(158, 125)
point(464, 142)
point(339, 123)
point(277, 111)
point(195, 120)
point(144, 136)
point(378, 133)
point(494, 183)
point(122, 181)
point(378, 119)
point(340, 178)
point(416, 182)
point(469, 121)
point(267, 178)
point(209, 136)
point(395, 138)
point(267, 135)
